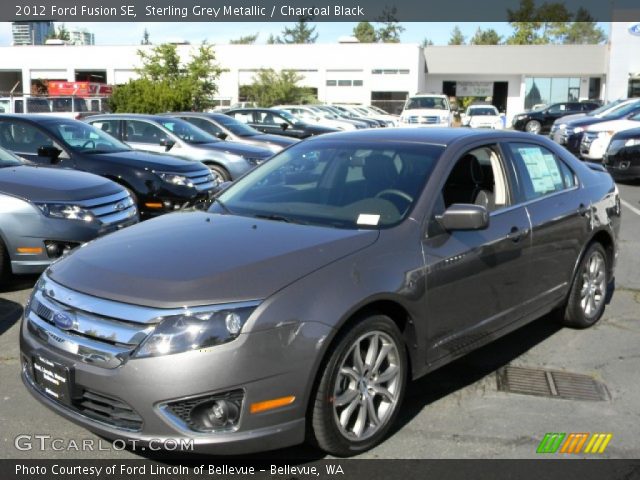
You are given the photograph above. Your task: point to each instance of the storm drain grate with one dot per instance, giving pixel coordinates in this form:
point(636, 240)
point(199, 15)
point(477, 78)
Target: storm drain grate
point(551, 383)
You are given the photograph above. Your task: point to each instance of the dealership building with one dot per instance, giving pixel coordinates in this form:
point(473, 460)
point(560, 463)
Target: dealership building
point(512, 77)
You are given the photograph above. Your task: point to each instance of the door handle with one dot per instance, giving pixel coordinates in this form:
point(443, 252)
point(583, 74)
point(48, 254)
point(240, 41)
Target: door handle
point(582, 210)
point(515, 234)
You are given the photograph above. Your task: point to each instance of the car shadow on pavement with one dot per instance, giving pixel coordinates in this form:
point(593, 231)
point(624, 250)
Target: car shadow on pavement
point(16, 283)
point(10, 313)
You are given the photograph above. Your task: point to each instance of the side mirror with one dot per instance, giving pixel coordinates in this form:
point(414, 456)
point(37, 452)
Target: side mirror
point(167, 144)
point(284, 126)
point(221, 135)
point(50, 152)
point(462, 216)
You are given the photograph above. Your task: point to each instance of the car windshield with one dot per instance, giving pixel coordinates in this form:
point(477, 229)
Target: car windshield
point(482, 111)
point(608, 108)
point(87, 138)
point(435, 103)
point(236, 127)
point(8, 159)
point(335, 184)
point(186, 131)
point(623, 110)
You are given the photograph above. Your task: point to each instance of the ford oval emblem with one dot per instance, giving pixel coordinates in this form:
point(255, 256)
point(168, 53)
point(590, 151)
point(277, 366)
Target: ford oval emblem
point(634, 29)
point(63, 320)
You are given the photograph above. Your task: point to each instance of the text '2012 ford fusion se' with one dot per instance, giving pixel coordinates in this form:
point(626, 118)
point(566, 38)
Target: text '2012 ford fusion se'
point(300, 305)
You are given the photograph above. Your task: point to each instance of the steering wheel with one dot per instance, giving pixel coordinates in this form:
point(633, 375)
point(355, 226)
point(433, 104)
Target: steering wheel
point(86, 144)
point(394, 195)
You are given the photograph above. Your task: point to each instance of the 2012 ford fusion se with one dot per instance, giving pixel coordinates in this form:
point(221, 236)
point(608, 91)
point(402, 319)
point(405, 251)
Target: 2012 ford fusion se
point(315, 287)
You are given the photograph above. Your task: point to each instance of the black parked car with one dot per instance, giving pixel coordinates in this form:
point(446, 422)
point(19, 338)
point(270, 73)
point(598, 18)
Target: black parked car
point(277, 122)
point(540, 121)
point(318, 285)
point(231, 130)
point(570, 133)
point(158, 183)
point(622, 157)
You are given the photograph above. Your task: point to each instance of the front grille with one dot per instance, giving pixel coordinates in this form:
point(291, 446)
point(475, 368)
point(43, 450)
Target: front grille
point(109, 410)
point(424, 120)
point(202, 179)
point(112, 208)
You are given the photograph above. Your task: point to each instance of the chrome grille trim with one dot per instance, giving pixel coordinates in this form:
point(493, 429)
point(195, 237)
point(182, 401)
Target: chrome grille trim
point(94, 202)
point(111, 209)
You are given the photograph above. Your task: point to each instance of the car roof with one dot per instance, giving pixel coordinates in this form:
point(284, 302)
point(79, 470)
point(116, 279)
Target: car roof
point(137, 116)
point(35, 118)
point(437, 136)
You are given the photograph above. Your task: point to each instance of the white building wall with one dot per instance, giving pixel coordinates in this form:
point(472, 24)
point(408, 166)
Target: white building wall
point(624, 60)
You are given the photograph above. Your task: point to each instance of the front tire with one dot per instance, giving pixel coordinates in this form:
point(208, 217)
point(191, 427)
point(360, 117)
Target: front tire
point(588, 293)
point(220, 174)
point(361, 388)
point(533, 126)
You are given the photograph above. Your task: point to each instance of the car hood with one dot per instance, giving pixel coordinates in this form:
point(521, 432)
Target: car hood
point(614, 125)
point(43, 184)
point(274, 139)
point(199, 258)
point(247, 151)
point(570, 118)
point(424, 112)
point(627, 134)
point(151, 161)
point(317, 129)
point(584, 121)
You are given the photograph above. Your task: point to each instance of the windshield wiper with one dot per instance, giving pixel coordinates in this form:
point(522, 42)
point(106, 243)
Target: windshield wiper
point(278, 218)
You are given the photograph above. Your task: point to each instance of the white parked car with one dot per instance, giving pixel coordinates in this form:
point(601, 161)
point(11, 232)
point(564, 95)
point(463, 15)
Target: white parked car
point(482, 116)
point(597, 137)
point(308, 115)
point(427, 110)
point(390, 120)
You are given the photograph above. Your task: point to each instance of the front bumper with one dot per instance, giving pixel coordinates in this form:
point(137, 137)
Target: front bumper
point(56, 230)
point(593, 148)
point(264, 365)
point(622, 167)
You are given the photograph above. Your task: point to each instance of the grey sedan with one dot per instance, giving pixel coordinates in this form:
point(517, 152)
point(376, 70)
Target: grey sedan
point(45, 212)
point(156, 133)
point(300, 305)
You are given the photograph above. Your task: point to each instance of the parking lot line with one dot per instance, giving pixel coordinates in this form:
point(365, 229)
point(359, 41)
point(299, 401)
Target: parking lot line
point(630, 207)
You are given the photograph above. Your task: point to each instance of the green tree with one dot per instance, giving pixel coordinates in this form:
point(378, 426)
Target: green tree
point(456, 38)
point(274, 39)
point(245, 40)
point(365, 33)
point(274, 88)
point(145, 38)
point(166, 84)
point(60, 34)
point(525, 24)
point(426, 42)
point(301, 32)
point(486, 37)
point(584, 30)
point(389, 30)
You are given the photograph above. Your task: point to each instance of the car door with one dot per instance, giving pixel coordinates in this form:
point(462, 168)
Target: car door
point(25, 139)
point(142, 135)
point(560, 214)
point(476, 280)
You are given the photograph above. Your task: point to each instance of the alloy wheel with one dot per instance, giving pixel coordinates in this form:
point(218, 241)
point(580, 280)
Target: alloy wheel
point(594, 284)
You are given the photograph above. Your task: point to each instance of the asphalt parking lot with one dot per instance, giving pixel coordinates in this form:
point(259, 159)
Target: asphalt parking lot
point(455, 412)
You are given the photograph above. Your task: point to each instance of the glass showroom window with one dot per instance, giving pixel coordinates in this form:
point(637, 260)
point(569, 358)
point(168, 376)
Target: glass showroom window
point(551, 90)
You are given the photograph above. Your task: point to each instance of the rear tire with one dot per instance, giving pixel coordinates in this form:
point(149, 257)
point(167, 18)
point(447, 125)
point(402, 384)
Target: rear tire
point(360, 391)
point(588, 294)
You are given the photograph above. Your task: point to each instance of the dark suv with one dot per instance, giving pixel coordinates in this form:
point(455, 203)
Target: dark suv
point(277, 122)
point(540, 121)
point(158, 183)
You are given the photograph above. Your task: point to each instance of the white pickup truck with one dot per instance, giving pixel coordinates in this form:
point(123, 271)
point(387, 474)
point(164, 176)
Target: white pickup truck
point(63, 106)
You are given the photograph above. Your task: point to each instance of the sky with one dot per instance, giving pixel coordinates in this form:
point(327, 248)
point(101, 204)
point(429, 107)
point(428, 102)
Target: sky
point(218, 32)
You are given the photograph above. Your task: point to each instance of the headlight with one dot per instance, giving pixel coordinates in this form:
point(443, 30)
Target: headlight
point(444, 118)
point(605, 134)
point(175, 179)
point(404, 119)
point(194, 330)
point(632, 142)
point(578, 130)
point(66, 211)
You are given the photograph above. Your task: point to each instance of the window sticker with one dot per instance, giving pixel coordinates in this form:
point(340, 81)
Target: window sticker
point(543, 173)
point(368, 219)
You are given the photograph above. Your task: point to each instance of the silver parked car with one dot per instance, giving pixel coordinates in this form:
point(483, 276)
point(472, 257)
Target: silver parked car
point(45, 212)
point(161, 134)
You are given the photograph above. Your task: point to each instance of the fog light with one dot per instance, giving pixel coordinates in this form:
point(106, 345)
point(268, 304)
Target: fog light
point(217, 415)
point(53, 250)
point(57, 249)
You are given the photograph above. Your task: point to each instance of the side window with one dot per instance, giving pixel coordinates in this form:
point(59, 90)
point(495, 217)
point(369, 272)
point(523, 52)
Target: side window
point(22, 138)
point(5, 106)
point(540, 172)
point(107, 126)
point(479, 178)
point(143, 132)
point(265, 118)
point(204, 125)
